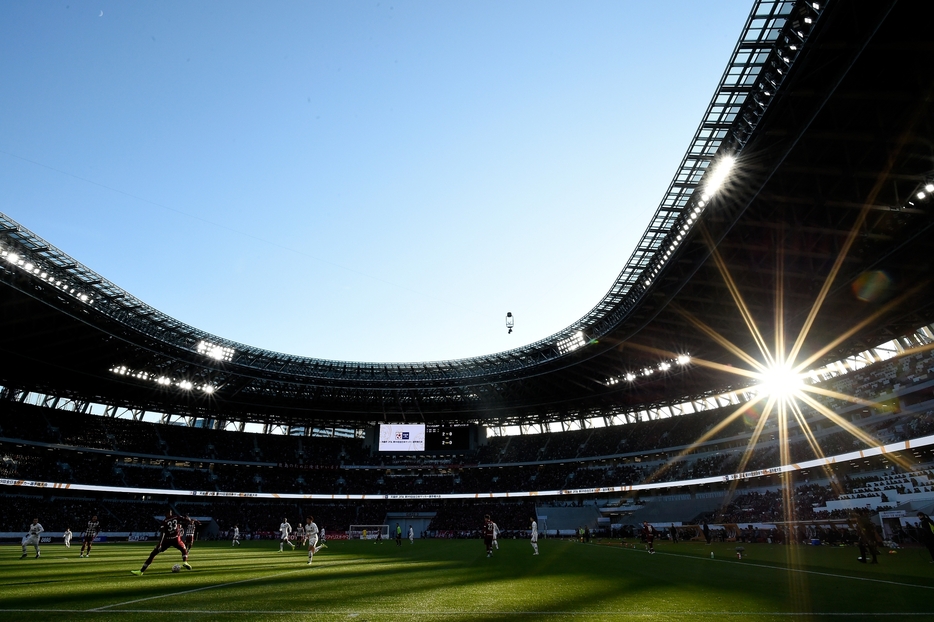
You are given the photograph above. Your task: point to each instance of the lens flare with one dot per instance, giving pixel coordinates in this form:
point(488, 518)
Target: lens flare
point(780, 381)
point(872, 286)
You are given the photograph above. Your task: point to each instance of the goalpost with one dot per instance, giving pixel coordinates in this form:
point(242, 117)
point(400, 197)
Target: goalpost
point(356, 532)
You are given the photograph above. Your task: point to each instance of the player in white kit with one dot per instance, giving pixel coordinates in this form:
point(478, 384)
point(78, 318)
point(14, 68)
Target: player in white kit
point(32, 537)
point(285, 529)
point(535, 536)
point(311, 534)
point(496, 536)
point(66, 537)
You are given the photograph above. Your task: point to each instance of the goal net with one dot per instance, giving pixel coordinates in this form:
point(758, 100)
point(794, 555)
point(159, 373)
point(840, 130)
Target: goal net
point(368, 532)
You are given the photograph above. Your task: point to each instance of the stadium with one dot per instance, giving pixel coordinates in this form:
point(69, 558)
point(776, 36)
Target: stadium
point(756, 385)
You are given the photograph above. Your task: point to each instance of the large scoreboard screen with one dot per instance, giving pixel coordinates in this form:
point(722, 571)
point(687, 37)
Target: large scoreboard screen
point(402, 437)
point(447, 437)
point(421, 437)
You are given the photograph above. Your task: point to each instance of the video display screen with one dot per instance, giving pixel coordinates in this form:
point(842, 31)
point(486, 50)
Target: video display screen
point(401, 437)
point(447, 437)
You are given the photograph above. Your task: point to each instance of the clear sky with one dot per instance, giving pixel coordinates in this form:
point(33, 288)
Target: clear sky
point(371, 181)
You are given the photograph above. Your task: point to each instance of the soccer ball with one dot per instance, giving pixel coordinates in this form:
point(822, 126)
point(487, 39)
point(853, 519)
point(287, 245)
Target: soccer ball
point(177, 568)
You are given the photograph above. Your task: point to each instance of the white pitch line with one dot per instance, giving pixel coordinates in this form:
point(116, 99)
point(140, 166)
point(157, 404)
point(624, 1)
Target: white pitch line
point(197, 589)
point(103, 608)
point(430, 614)
point(201, 589)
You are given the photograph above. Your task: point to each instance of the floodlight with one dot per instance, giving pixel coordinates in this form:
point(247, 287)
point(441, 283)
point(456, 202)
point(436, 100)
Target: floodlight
point(718, 175)
point(630, 377)
point(929, 187)
point(569, 344)
point(215, 351)
point(185, 384)
point(684, 359)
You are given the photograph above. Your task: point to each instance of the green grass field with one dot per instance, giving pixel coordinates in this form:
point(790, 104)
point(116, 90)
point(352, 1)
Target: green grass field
point(454, 580)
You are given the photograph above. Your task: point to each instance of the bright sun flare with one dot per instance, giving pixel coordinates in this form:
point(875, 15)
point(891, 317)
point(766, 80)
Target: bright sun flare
point(780, 381)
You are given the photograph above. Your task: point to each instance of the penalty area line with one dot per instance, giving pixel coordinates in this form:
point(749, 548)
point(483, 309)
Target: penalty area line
point(192, 591)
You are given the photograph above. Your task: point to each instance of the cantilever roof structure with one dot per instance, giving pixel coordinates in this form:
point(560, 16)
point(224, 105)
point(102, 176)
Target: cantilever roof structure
point(821, 229)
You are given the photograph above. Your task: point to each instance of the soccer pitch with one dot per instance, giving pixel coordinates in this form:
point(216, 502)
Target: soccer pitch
point(454, 580)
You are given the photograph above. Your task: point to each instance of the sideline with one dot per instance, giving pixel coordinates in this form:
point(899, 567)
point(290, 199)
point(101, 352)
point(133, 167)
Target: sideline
point(436, 614)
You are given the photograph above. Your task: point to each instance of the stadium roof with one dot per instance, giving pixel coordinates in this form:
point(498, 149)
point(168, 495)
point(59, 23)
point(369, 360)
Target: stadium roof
point(820, 229)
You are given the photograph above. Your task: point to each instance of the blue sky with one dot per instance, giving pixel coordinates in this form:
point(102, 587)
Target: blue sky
point(373, 181)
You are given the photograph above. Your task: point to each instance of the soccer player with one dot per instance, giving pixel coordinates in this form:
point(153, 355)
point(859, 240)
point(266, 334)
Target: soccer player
point(411, 535)
point(190, 532)
point(496, 536)
point(488, 534)
point(534, 536)
point(66, 537)
point(649, 533)
point(236, 537)
point(171, 535)
point(398, 535)
point(32, 537)
point(284, 530)
point(300, 535)
point(926, 533)
point(311, 531)
point(363, 535)
point(90, 532)
point(322, 538)
point(865, 531)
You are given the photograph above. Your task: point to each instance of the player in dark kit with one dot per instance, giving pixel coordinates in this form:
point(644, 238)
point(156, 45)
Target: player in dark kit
point(489, 528)
point(649, 532)
point(171, 530)
point(93, 528)
point(190, 532)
